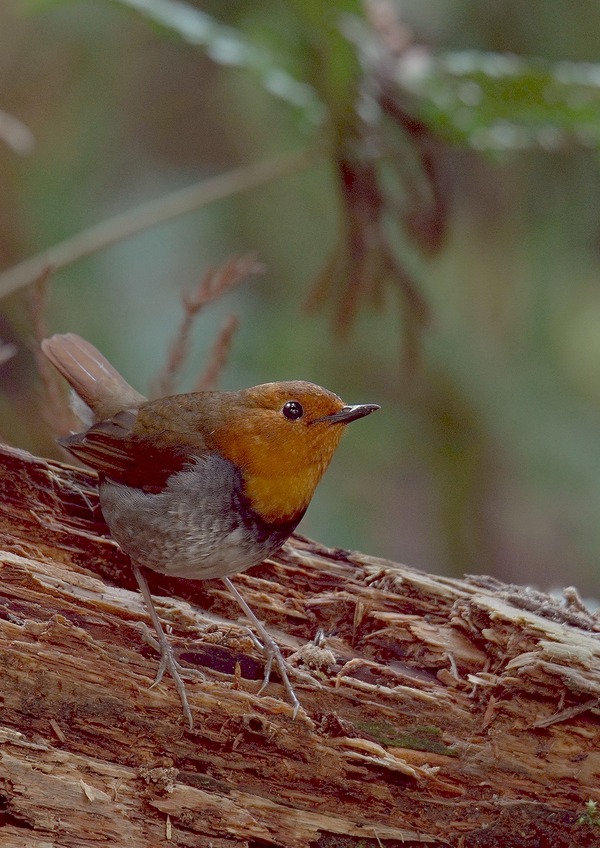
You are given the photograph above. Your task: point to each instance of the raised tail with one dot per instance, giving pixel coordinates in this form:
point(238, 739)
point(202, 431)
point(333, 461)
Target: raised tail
point(90, 375)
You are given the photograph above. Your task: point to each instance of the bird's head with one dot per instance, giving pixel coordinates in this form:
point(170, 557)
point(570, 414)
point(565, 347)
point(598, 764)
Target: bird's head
point(282, 437)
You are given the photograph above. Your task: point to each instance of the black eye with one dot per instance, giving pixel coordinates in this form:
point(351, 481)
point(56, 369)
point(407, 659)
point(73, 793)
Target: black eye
point(293, 410)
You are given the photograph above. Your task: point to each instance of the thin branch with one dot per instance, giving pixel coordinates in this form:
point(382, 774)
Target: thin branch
point(7, 351)
point(16, 134)
point(215, 283)
point(55, 409)
point(156, 212)
point(219, 355)
point(565, 715)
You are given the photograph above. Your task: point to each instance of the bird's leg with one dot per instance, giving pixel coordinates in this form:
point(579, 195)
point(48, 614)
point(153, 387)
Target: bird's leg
point(269, 646)
point(167, 658)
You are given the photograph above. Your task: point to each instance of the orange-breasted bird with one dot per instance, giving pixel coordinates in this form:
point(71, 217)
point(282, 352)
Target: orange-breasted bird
point(201, 485)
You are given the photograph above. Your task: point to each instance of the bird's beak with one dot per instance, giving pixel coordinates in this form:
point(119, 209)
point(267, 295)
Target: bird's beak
point(349, 413)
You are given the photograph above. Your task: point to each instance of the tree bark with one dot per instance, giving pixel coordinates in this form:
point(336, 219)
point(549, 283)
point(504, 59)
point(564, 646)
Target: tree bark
point(441, 712)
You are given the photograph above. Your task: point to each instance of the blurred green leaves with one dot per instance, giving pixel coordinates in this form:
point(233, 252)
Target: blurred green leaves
point(228, 45)
point(499, 102)
point(453, 202)
point(381, 103)
point(487, 101)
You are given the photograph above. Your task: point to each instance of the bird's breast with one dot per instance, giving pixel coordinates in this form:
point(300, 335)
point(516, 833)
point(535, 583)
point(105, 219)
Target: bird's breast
point(201, 526)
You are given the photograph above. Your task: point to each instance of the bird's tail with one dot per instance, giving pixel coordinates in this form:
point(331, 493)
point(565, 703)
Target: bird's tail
point(91, 376)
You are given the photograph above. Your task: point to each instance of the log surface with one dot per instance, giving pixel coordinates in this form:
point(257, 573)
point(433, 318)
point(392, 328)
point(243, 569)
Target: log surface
point(438, 711)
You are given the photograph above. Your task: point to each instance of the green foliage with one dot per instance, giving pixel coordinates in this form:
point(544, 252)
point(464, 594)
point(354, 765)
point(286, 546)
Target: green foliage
point(486, 268)
point(497, 102)
point(591, 814)
point(488, 101)
point(228, 46)
point(38, 6)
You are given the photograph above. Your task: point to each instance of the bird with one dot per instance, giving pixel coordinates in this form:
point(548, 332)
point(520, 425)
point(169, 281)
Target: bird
point(200, 485)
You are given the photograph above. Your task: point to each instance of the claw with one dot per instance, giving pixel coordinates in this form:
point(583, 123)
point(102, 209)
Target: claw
point(170, 664)
point(269, 647)
point(161, 644)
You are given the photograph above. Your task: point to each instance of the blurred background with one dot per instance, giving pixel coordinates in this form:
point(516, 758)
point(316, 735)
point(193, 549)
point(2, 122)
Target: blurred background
point(436, 250)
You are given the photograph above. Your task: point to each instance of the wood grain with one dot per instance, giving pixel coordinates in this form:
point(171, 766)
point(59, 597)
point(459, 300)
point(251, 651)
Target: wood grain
point(437, 711)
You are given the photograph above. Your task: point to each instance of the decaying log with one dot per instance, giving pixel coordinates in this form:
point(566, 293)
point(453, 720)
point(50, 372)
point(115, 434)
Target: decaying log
point(440, 711)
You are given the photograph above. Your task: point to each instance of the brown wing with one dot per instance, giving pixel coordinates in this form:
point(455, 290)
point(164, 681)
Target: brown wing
point(141, 447)
point(106, 446)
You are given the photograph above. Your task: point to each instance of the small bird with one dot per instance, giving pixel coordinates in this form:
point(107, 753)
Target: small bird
point(200, 485)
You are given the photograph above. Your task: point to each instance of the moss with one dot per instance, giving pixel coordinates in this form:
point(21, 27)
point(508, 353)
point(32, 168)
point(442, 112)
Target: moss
point(420, 738)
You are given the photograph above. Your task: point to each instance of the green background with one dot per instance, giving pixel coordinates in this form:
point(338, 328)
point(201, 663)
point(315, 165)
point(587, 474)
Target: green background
point(485, 456)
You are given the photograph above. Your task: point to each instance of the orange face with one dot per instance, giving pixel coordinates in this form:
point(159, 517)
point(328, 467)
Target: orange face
point(282, 436)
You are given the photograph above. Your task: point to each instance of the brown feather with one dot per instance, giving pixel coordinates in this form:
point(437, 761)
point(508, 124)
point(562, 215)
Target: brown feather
point(141, 448)
point(91, 375)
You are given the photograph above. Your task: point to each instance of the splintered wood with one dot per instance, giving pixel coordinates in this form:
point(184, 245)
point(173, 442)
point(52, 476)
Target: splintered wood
point(435, 711)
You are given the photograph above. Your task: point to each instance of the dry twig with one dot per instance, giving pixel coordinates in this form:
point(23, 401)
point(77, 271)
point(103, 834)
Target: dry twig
point(55, 411)
point(214, 284)
point(218, 356)
point(7, 351)
point(173, 205)
point(16, 134)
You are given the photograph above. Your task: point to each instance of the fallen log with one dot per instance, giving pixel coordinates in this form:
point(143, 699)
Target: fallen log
point(436, 711)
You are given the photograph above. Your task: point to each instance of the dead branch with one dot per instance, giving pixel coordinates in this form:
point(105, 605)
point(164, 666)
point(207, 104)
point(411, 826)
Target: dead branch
point(156, 212)
point(55, 411)
point(218, 356)
point(215, 283)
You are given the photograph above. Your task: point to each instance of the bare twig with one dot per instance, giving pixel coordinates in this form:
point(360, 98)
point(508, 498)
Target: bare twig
point(38, 302)
point(7, 351)
point(55, 409)
point(14, 133)
point(214, 284)
point(218, 356)
point(565, 715)
point(156, 212)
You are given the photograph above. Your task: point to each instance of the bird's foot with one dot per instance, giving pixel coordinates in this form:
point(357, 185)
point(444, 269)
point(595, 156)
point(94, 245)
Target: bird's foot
point(267, 644)
point(161, 644)
point(170, 664)
point(272, 652)
point(181, 669)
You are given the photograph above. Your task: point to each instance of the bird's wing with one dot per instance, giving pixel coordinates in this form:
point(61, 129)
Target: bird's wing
point(106, 446)
point(137, 447)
